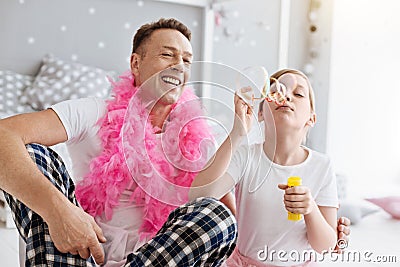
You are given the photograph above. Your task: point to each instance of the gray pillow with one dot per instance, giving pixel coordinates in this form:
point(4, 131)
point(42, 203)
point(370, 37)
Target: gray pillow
point(355, 210)
point(341, 182)
point(12, 86)
point(59, 80)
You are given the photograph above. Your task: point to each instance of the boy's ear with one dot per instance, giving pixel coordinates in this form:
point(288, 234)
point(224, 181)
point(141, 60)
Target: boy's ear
point(313, 119)
point(260, 111)
point(260, 115)
point(135, 62)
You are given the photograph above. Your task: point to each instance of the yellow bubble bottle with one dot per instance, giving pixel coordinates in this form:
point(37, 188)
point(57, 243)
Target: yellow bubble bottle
point(294, 181)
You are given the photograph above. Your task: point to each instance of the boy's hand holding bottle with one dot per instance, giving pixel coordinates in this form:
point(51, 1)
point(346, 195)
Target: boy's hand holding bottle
point(297, 198)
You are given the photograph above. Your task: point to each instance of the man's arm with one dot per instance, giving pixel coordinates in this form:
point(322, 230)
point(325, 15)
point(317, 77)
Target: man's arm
point(71, 229)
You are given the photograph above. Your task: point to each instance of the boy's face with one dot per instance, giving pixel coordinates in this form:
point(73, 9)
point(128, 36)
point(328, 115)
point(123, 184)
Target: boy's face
point(168, 54)
point(296, 111)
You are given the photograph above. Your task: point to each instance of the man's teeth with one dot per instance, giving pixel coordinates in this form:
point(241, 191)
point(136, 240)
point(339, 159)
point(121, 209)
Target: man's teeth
point(171, 80)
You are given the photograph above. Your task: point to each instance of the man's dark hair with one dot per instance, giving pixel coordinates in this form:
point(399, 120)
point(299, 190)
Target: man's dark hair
point(144, 32)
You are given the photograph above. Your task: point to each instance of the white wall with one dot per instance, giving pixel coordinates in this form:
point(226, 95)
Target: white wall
point(364, 112)
point(301, 42)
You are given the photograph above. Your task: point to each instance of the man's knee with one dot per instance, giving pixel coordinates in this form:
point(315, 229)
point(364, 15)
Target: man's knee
point(216, 206)
point(52, 166)
point(217, 215)
point(41, 154)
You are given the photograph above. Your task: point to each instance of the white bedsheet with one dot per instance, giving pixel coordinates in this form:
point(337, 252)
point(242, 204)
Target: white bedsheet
point(373, 239)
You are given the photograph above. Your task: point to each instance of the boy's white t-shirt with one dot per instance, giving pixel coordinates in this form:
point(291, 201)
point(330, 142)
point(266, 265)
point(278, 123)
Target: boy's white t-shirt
point(265, 233)
point(80, 118)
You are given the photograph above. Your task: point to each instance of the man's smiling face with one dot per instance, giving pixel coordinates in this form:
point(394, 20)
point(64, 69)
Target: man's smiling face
point(163, 65)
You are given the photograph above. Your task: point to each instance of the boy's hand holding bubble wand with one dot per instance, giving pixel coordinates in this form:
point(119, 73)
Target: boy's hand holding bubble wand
point(254, 85)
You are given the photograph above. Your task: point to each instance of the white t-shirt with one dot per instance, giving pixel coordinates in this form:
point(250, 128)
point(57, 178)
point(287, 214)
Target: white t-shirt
point(79, 118)
point(262, 218)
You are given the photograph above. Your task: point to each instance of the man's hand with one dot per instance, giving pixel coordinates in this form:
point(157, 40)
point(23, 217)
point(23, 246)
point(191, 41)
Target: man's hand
point(73, 230)
point(343, 232)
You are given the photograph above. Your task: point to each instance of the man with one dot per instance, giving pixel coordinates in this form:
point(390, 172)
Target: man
point(55, 228)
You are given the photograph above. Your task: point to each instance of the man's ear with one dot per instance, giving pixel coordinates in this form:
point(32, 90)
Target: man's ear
point(313, 119)
point(135, 62)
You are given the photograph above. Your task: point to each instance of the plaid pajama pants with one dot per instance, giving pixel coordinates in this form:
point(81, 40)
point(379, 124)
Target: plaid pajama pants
point(200, 233)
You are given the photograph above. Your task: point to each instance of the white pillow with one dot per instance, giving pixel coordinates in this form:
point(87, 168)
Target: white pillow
point(59, 80)
point(12, 86)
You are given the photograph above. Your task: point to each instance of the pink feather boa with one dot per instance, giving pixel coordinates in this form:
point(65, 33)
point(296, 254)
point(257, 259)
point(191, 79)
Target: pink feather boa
point(163, 167)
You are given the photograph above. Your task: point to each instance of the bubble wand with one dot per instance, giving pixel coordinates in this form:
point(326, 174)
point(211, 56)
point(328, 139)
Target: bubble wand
point(247, 93)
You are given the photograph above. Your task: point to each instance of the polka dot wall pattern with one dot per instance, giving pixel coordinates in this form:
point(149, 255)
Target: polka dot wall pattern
point(248, 32)
point(228, 23)
point(91, 32)
point(91, 11)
